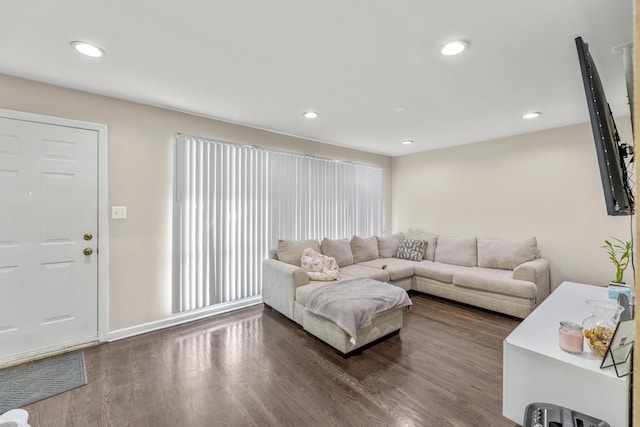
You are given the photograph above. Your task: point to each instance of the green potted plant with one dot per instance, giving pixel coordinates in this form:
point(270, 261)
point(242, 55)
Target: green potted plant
point(619, 254)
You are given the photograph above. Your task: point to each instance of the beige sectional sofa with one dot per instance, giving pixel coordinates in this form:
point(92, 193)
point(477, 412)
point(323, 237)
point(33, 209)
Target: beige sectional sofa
point(505, 276)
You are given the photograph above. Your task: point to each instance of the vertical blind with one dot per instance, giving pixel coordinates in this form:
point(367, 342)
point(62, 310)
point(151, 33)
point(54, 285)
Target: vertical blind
point(232, 203)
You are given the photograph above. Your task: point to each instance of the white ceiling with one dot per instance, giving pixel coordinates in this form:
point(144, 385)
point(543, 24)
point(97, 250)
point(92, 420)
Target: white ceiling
point(263, 63)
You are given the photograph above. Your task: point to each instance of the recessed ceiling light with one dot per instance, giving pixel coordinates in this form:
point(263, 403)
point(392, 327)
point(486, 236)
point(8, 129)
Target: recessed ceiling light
point(454, 47)
point(311, 114)
point(531, 115)
point(88, 49)
point(407, 142)
point(399, 109)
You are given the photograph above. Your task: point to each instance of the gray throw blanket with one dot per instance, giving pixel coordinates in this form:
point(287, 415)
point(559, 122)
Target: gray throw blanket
point(352, 304)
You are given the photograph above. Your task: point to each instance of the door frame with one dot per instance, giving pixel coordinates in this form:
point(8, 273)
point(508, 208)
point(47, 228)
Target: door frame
point(103, 200)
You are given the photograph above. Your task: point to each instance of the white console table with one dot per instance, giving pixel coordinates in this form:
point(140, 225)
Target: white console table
point(536, 369)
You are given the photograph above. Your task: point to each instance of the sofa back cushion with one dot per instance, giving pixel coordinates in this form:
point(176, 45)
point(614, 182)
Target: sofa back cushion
point(431, 239)
point(364, 248)
point(339, 249)
point(457, 251)
point(387, 245)
point(506, 254)
point(290, 251)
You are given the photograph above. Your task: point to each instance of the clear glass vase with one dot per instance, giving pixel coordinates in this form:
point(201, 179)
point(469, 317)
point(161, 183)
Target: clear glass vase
point(599, 328)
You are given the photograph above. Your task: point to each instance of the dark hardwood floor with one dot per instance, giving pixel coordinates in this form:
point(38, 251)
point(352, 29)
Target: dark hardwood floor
point(254, 367)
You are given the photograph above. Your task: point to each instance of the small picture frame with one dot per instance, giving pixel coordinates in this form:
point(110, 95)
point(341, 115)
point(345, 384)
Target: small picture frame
point(620, 348)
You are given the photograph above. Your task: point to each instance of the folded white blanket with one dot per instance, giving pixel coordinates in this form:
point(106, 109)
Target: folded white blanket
point(318, 266)
point(352, 304)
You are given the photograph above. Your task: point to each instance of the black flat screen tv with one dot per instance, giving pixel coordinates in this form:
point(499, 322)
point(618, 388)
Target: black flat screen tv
point(618, 193)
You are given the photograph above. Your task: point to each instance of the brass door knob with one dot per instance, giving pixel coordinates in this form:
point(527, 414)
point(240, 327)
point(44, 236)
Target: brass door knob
point(87, 251)
point(88, 236)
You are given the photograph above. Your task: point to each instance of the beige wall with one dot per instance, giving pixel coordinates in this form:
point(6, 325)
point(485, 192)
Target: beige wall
point(140, 177)
point(544, 184)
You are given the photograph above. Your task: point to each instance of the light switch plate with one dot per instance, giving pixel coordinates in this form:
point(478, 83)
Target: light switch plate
point(118, 212)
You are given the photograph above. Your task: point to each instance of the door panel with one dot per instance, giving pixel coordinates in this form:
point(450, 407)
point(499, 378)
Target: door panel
point(48, 201)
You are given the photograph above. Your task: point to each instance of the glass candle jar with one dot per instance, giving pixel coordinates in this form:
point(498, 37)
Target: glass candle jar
point(570, 337)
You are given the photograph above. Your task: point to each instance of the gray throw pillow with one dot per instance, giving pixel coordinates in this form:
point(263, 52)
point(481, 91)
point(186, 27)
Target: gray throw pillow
point(364, 249)
point(290, 251)
point(430, 238)
point(410, 249)
point(387, 245)
point(339, 249)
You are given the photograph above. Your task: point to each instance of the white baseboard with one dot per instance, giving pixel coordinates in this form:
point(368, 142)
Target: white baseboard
point(181, 318)
point(47, 352)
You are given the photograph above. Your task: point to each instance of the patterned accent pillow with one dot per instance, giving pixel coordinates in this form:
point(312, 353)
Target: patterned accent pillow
point(410, 249)
point(430, 238)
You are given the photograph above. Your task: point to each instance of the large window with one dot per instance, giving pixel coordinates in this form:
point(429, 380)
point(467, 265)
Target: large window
point(232, 203)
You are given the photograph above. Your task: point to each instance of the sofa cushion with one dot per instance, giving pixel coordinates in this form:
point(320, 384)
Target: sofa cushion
point(431, 239)
point(410, 249)
point(436, 271)
point(359, 270)
point(397, 268)
point(290, 251)
point(302, 292)
point(387, 245)
point(496, 281)
point(506, 254)
point(364, 249)
point(457, 250)
point(339, 249)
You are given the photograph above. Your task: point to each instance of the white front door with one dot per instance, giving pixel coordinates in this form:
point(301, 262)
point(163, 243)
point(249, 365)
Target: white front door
point(48, 237)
